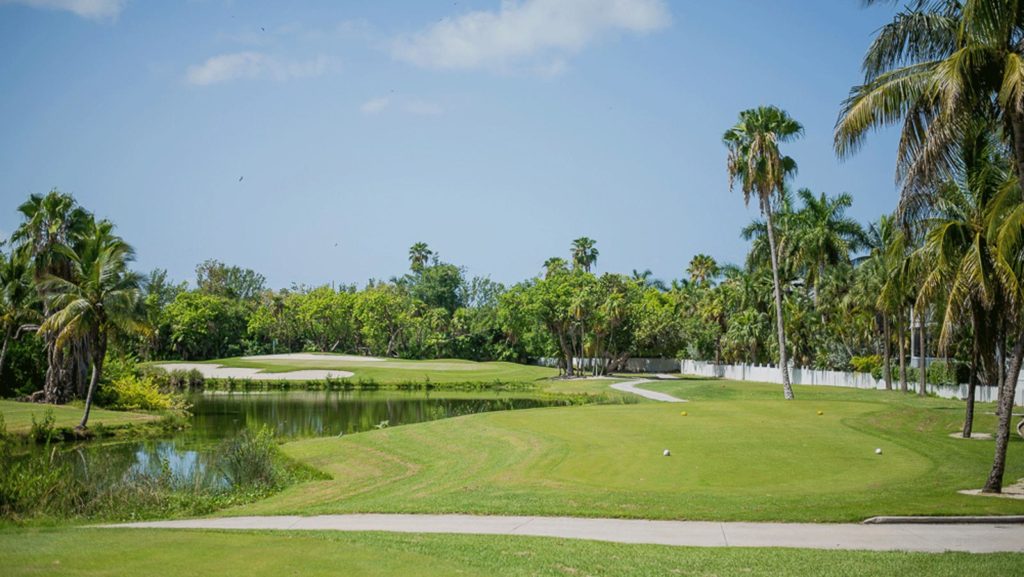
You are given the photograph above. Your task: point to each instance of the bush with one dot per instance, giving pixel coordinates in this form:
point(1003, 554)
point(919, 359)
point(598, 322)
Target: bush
point(868, 364)
point(43, 431)
point(34, 484)
point(248, 460)
point(131, 393)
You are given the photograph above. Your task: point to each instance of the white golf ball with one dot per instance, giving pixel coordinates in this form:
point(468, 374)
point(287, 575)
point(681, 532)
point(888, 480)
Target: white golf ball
point(878, 451)
point(666, 453)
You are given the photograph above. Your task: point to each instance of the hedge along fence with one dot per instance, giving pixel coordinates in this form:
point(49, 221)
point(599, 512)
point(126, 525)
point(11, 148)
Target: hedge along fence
point(805, 376)
point(633, 365)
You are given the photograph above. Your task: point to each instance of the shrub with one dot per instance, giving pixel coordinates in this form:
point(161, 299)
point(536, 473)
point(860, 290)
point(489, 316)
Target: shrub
point(133, 393)
point(35, 484)
point(248, 459)
point(42, 431)
point(868, 364)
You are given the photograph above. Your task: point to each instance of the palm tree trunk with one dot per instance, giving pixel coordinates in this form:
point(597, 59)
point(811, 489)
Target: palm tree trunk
point(97, 368)
point(972, 385)
point(922, 373)
point(1017, 123)
point(1007, 388)
point(886, 352)
point(902, 338)
point(787, 389)
point(3, 350)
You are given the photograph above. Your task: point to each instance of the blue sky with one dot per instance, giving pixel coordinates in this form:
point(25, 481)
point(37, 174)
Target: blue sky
point(494, 131)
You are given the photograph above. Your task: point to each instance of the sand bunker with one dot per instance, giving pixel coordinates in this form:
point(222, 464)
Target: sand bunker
point(221, 372)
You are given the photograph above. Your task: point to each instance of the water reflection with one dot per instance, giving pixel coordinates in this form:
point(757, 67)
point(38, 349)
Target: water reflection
point(189, 457)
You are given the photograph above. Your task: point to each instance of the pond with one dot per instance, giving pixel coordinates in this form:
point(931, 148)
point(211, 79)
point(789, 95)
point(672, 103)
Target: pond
point(190, 454)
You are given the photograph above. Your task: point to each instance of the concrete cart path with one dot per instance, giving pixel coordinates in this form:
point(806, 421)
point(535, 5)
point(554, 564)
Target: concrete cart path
point(631, 387)
point(987, 538)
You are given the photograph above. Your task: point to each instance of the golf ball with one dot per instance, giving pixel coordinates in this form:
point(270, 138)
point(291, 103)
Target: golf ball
point(666, 453)
point(878, 451)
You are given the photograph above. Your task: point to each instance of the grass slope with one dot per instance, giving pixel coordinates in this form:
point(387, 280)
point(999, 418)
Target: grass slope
point(742, 453)
point(399, 371)
point(96, 552)
point(18, 416)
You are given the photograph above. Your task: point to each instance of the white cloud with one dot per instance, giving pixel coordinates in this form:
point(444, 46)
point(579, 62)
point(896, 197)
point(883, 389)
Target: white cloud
point(93, 9)
point(242, 65)
point(541, 33)
point(374, 105)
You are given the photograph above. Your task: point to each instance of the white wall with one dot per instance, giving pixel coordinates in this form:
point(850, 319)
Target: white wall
point(804, 376)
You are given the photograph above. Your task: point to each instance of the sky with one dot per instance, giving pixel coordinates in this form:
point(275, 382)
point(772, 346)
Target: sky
point(315, 141)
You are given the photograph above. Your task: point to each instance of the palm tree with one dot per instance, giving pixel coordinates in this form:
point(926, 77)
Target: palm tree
point(702, 268)
point(823, 234)
point(756, 162)
point(960, 253)
point(17, 300)
point(419, 255)
point(584, 255)
point(99, 298)
point(872, 275)
point(935, 68)
point(51, 221)
point(645, 279)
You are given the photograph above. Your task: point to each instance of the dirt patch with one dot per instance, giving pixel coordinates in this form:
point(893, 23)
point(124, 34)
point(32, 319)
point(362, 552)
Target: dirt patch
point(1014, 491)
point(973, 437)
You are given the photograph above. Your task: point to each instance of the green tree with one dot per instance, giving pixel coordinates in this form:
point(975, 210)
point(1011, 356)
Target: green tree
point(702, 269)
point(100, 297)
point(49, 222)
point(584, 253)
point(18, 300)
point(756, 162)
point(960, 255)
point(419, 256)
point(823, 235)
point(205, 326)
point(233, 282)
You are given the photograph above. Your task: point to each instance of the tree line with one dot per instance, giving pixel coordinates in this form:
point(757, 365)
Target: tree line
point(817, 288)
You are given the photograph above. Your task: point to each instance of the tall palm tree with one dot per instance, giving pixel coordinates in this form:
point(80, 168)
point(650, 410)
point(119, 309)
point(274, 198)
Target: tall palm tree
point(419, 255)
point(761, 169)
point(49, 222)
point(824, 235)
point(959, 250)
point(17, 300)
point(935, 68)
point(100, 298)
point(872, 275)
point(584, 254)
point(702, 268)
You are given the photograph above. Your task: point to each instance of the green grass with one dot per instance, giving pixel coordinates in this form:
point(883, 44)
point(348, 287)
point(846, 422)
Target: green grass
point(400, 371)
point(18, 416)
point(174, 553)
point(742, 453)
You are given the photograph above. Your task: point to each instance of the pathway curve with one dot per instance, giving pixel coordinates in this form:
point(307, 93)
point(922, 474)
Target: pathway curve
point(987, 538)
point(631, 387)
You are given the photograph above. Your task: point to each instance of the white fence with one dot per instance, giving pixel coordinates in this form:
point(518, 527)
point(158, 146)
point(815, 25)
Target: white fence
point(804, 376)
point(637, 365)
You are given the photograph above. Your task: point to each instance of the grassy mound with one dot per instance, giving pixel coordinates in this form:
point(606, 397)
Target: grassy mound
point(741, 453)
